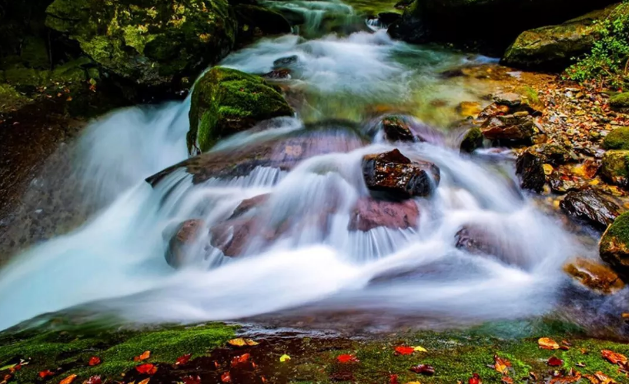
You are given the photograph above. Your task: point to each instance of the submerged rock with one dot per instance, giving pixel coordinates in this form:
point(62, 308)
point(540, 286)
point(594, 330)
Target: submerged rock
point(530, 169)
point(149, 43)
point(589, 206)
point(187, 233)
point(226, 101)
point(614, 245)
point(394, 176)
point(369, 213)
point(615, 167)
point(479, 240)
point(617, 139)
point(595, 276)
point(553, 47)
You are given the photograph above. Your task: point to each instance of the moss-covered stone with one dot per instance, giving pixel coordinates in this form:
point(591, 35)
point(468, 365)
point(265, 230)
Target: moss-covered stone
point(620, 101)
point(226, 101)
point(148, 42)
point(614, 245)
point(553, 47)
point(615, 166)
point(617, 139)
point(472, 140)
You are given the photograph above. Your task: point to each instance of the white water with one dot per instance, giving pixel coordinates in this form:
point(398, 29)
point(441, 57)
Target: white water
point(117, 258)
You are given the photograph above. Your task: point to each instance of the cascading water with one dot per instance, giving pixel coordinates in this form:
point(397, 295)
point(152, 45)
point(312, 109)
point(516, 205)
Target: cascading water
point(302, 252)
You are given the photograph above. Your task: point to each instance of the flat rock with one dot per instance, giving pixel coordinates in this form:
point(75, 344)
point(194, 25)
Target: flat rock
point(370, 213)
point(589, 206)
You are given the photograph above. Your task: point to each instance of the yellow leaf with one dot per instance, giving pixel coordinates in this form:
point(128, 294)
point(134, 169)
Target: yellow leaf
point(548, 169)
point(419, 349)
point(251, 343)
point(547, 343)
point(284, 358)
point(239, 342)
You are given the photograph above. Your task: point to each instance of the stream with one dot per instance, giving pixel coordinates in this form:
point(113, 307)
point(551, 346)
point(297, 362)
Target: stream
point(344, 72)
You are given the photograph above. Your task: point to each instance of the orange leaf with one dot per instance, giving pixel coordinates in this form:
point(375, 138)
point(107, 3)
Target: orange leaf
point(143, 356)
point(613, 357)
point(46, 373)
point(401, 350)
point(240, 359)
point(546, 343)
point(183, 359)
point(68, 380)
point(501, 365)
point(146, 369)
point(346, 359)
point(93, 361)
point(226, 378)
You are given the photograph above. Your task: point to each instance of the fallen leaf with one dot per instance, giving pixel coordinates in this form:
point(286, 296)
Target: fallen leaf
point(419, 349)
point(240, 359)
point(6, 379)
point(347, 359)
point(68, 380)
point(144, 356)
point(284, 358)
point(191, 380)
point(555, 362)
point(146, 369)
point(424, 369)
point(226, 378)
point(402, 350)
point(46, 373)
point(94, 360)
point(240, 342)
point(93, 380)
point(183, 359)
point(145, 381)
point(413, 382)
point(393, 379)
point(547, 343)
point(475, 379)
point(613, 357)
point(501, 365)
point(507, 380)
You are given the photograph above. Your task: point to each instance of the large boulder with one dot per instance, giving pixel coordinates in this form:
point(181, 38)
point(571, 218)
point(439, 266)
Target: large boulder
point(615, 167)
point(553, 47)
point(369, 213)
point(185, 236)
point(589, 206)
point(617, 139)
point(614, 245)
point(150, 43)
point(394, 176)
point(227, 101)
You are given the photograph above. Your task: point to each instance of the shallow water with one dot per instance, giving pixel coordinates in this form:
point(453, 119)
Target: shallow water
point(115, 263)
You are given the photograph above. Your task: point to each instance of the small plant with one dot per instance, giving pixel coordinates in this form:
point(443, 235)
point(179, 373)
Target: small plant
point(607, 64)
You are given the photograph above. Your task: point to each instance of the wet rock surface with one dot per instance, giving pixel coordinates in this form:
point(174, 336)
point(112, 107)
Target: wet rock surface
point(589, 206)
point(480, 240)
point(370, 213)
point(392, 175)
point(594, 275)
point(185, 236)
point(614, 245)
point(395, 128)
point(530, 170)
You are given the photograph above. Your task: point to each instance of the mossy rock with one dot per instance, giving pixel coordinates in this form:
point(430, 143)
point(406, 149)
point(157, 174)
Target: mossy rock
point(226, 101)
point(614, 245)
point(617, 139)
point(152, 42)
point(615, 166)
point(472, 140)
point(554, 46)
point(620, 101)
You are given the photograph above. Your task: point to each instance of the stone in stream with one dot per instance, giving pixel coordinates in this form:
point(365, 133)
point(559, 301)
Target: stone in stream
point(553, 154)
point(589, 206)
point(394, 176)
point(617, 139)
point(282, 73)
point(226, 101)
point(472, 140)
point(396, 128)
point(615, 167)
point(479, 240)
point(530, 169)
point(509, 129)
point(187, 233)
point(594, 275)
point(614, 245)
point(255, 20)
point(369, 213)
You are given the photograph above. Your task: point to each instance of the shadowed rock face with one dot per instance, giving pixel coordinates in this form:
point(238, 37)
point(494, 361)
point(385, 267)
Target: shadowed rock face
point(187, 233)
point(589, 206)
point(530, 169)
point(392, 175)
point(369, 214)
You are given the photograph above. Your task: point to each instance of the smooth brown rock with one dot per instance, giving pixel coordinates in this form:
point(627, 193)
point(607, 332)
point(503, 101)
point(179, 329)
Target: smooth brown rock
point(594, 275)
point(479, 240)
point(397, 129)
point(509, 128)
point(369, 214)
point(589, 206)
point(187, 233)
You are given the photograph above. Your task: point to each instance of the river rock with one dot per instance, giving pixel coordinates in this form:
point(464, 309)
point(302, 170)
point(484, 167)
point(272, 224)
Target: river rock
point(282, 73)
point(553, 154)
point(396, 128)
point(255, 21)
point(187, 233)
point(553, 47)
point(615, 167)
point(594, 275)
point(620, 102)
point(248, 205)
point(530, 169)
point(589, 206)
point(472, 140)
point(148, 43)
point(226, 101)
point(233, 236)
point(509, 129)
point(479, 240)
point(369, 213)
point(393, 176)
point(614, 245)
point(617, 139)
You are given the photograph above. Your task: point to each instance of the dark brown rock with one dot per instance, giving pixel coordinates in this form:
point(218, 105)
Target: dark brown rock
point(233, 236)
point(530, 169)
point(553, 154)
point(369, 214)
point(187, 233)
point(397, 129)
point(509, 129)
point(594, 275)
point(394, 176)
point(282, 73)
point(589, 206)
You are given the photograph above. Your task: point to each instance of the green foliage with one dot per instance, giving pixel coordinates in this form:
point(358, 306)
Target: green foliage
point(606, 64)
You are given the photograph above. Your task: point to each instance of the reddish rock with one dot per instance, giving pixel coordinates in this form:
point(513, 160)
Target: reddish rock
point(369, 214)
point(187, 233)
point(395, 176)
point(233, 236)
point(283, 73)
point(594, 275)
point(249, 204)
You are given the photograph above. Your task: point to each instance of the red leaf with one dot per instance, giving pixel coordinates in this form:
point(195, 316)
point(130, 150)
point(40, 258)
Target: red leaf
point(226, 378)
point(401, 350)
point(555, 362)
point(183, 359)
point(191, 380)
point(240, 359)
point(424, 369)
point(93, 380)
point(94, 361)
point(475, 379)
point(146, 369)
point(393, 379)
point(346, 359)
point(46, 373)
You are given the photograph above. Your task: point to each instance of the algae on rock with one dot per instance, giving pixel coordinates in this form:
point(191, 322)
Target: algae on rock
point(614, 245)
point(226, 101)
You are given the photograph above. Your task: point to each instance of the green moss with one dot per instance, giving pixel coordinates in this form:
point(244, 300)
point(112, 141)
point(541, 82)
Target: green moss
point(615, 166)
point(617, 139)
point(10, 99)
point(226, 101)
point(72, 348)
point(620, 101)
point(614, 245)
point(472, 140)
